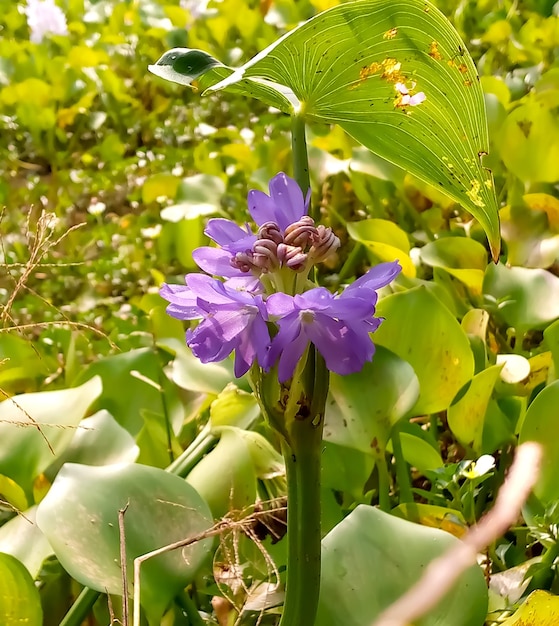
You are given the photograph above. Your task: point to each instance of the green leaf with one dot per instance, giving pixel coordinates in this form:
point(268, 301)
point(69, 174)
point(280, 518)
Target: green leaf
point(463, 258)
point(22, 538)
point(371, 558)
point(99, 440)
point(226, 477)
point(541, 425)
point(466, 417)
point(37, 427)
point(343, 66)
point(540, 609)
point(365, 405)
point(79, 516)
point(431, 340)
point(527, 298)
point(130, 385)
point(188, 372)
point(20, 604)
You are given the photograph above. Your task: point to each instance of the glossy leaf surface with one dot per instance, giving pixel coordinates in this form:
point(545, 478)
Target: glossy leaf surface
point(79, 516)
point(361, 65)
point(390, 554)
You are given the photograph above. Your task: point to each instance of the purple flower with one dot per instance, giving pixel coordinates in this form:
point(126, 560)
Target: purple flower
point(231, 320)
point(338, 326)
point(284, 206)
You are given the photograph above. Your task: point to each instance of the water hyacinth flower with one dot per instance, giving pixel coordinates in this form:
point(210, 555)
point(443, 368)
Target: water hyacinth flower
point(44, 18)
point(262, 306)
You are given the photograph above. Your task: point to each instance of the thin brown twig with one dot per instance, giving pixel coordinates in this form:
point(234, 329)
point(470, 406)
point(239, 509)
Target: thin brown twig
point(123, 564)
point(224, 525)
point(442, 573)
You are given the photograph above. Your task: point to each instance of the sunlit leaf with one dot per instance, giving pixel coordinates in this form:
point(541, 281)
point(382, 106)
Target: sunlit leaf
point(541, 425)
point(19, 598)
point(527, 298)
point(36, 427)
point(466, 417)
point(462, 258)
point(226, 477)
point(79, 516)
point(371, 558)
point(540, 609)
point(431, 340)
point(364, 406)
point(393, 73)
point(22, 538)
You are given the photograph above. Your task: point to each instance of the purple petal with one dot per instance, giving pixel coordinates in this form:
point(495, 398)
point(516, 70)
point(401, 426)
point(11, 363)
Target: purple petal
point(280, 304)
point(261, 207)
point(377, 277)
point(291, 355)
point(215, 261)
point(229, 235)
point(183, 303)
point(288, 199)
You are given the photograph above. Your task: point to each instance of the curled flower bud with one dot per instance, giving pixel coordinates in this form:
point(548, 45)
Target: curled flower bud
point(325, 244)
point(301, 232)
point(292, 257)
point(265, 255)
point(271, 231)
point(243, 261)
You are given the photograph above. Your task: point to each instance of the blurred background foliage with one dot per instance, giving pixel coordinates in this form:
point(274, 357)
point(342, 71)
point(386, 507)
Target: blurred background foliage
point(107, 176)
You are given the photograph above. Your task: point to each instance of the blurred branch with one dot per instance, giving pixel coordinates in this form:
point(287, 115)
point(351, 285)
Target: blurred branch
point(443, 572)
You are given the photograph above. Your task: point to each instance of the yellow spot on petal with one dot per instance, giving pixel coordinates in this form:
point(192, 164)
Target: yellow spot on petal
point(488, 183)
point(390, 34)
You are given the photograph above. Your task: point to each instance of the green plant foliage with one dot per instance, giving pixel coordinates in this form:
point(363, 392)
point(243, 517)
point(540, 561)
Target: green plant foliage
point(540, 424)
point(439, 353)
point(349, 77)
point(363, 422)
point(79, 517)
point(50, 418)
point(401, 550)
point(19, 599)
point(22, 538)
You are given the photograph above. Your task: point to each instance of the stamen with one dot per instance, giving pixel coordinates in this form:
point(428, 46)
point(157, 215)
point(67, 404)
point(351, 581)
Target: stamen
point(325, 244)
point(301, 232)
point(292, 257)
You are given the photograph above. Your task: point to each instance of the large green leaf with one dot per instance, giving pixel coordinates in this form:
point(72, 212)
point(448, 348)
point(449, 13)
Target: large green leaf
point(19, 598)
point(352, 65)
point(540, 424)
point(371, 558)
point(37, 427)
point(79, 516)
point(422, 331)
point(22, 538)
point(364, 406)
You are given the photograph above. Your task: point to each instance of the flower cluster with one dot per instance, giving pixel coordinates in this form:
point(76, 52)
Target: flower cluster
point(266, 310)
point(44, 17)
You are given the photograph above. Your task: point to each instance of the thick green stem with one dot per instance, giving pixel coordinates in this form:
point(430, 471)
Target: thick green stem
point(302, 454)
point(302, 460)
point(402, 472)
point(81, 607)
point(300, 156)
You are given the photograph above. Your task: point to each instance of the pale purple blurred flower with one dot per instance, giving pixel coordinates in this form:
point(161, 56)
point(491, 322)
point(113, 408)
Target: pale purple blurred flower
point(44, 18)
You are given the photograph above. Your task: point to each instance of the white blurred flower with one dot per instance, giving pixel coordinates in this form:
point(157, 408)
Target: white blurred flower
point(151, 232)
point(196, 8)
point(44, 17)
point(96, 207)
point(478, 468)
